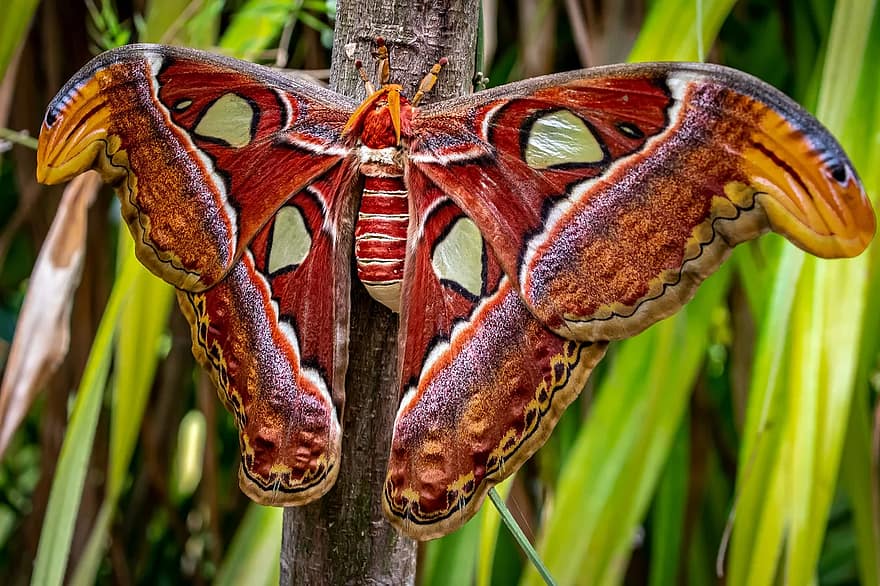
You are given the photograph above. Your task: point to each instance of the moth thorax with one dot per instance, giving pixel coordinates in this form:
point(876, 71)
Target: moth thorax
point(380, 238)
point(384, 162)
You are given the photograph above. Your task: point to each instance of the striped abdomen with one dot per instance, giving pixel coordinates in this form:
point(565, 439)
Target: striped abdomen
point(380, 238)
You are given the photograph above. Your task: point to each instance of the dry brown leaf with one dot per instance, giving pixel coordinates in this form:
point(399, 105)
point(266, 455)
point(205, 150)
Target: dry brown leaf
point(42, 334)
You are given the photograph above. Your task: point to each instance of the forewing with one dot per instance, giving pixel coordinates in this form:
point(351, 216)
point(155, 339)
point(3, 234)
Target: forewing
point(202, 149)
point(609, 194)
point(274, 336)
point(483, 382)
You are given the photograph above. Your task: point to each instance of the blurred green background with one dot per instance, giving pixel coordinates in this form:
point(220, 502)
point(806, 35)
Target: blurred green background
point(736, 443)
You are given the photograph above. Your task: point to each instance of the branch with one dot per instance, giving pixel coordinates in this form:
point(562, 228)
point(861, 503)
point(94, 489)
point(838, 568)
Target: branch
point(343, 538)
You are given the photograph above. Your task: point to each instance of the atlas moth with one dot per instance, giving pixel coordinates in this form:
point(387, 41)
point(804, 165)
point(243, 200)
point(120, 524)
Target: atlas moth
point(516, 230)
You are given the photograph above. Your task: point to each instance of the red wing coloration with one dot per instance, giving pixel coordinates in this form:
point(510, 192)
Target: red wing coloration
point(267, 347)
point(610, 194)
point(517, 230)
point(483, 380)
point(202, 149)
point(235, 182)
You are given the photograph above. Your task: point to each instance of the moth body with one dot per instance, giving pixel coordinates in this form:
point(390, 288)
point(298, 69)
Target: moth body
point(383, 216)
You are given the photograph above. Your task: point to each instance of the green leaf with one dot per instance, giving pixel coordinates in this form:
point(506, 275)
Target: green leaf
point(668, 511)
point(759, 508)
point(256, 26)
point(672, 31)
point(106, 30)
point(143, 322)
point(859, 462)
point(67, 485)
point(186, 22)
point(490, 522)
point(453, 559)
point(254, 554)
point(13, 27)
point(863, 487)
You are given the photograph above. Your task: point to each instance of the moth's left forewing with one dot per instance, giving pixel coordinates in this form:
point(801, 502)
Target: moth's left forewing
point(234, 181)
point(608, 195)
point(201, 149)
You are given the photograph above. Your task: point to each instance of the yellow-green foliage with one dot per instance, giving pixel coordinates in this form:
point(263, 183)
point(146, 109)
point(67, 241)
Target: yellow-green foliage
point(665, 469)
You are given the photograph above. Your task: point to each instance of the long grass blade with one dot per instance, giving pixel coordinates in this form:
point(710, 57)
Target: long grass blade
point(862, 485)
point(13, 27)
point(453, 559)
point(136, 359)
point(799, 405)
point(257, 24)
point(520, 537)
point(57, 532)
point(194, 23)
point(490, 522)
point(860, 466)
point(21, 138)
point(669, 511)
point(825, 364)
point(759, 514)
point(696, 24)
point(255, 551)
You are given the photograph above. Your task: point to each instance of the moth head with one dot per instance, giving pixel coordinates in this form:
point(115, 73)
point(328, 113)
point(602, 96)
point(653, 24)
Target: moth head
point(370, 122)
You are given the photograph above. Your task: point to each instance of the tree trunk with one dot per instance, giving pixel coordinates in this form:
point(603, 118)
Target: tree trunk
point(343, 538)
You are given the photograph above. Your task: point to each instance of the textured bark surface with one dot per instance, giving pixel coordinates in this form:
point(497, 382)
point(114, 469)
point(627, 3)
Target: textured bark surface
point(343, 538)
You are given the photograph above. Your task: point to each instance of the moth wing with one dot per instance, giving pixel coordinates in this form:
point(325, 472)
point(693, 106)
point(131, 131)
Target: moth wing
point(483, 382)
point(273, 334)
point(202, 149)
point(609, 194)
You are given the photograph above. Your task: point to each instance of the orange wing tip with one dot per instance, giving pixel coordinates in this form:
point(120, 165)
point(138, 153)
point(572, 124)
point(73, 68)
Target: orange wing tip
point(809, 190)
point(820, 214)
point(816, 238)
point(74, 134)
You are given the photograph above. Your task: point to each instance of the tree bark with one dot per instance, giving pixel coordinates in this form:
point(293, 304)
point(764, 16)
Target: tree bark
point(344, 538)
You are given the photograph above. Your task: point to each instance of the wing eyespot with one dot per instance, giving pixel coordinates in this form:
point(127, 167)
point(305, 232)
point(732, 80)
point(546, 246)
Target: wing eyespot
point(630, 130)
point(838, 172)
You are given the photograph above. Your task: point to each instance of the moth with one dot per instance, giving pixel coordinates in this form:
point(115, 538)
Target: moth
point(516, 230)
